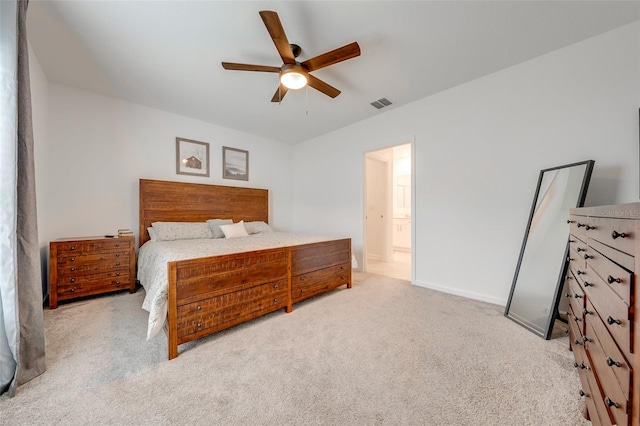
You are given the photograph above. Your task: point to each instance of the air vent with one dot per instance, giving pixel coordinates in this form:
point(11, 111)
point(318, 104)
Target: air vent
point(381, 103)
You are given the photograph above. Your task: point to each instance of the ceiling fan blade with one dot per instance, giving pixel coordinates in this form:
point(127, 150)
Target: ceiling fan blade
point(274, 26)
point(280, 92)
point(323, 87)
point(333, 57)
point(249, 67)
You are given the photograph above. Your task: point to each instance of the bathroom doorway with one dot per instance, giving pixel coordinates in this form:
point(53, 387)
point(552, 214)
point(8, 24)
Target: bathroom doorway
point(388, 229)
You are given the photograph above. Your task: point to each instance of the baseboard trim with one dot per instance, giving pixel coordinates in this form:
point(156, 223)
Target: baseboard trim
point(468, 294)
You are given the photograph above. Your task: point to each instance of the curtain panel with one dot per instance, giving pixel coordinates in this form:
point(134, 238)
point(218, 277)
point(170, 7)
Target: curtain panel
point(22, 346)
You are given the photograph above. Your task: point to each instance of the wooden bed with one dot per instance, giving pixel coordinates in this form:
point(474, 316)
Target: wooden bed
point(209, 294)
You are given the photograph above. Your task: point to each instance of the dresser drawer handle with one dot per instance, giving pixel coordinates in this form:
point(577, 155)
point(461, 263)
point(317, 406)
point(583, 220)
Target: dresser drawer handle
point(580, 272)
point(611, 403)
point(576, 319)
point(587, 257)
point(117, 274)
point(117, 254)
point(589, 228)
point(117, 282)
point(117, 244)
point(587, 312)
point(199, 325)
point(586, 284)
point(568, 295)
point(275, 286)
point(577, 342)
point(73, 248)
point(569, 259)
point(611, 362)
point(583, 393)
point(73, 259)
point(73, 290)
point(579, 249)
point(570, 221)
point(581, 366)
point(586, 339)
point(577, 296)
point(612, 280)
point(569, 277)
point(302, 279)
point(276, 300)
point(612, 321)
point(615, 235)
point(117, 263)
point(342, 267)
point(73, 280)
point(73, 269)
point(199, 307)
point(580, 225)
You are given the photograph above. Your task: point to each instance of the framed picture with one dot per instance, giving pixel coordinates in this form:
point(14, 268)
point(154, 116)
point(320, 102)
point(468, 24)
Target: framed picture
point(192, 157)
point(235, 163)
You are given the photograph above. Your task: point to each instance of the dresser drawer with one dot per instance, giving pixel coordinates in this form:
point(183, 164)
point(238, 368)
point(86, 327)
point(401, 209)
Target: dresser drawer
point(618, 233)
point(120, 274)
point(225, 310)
point(106, 285)
point(614, 313)
point(618, 278)
point(608, 361)
point(613, 397)
point(312, 283)
point(113, 257)
point(576, 338)
point(577, 249)
point(86, 268)
point(70, 247)
point(576, 297)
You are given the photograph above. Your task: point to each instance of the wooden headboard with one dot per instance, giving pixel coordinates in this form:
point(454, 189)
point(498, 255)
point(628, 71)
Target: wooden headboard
point(164, 201)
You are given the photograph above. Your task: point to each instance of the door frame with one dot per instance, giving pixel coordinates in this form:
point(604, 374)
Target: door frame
point(400, 141)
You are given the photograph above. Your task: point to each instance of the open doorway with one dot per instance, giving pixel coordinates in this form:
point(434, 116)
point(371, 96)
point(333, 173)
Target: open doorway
point(388, 245)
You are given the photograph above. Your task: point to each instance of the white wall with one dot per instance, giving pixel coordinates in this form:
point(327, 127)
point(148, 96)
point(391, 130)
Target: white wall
point(99, 147)
point(478, 150)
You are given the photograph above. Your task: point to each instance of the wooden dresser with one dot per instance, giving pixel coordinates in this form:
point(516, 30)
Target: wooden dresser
point(602, 287)
point(87, 266)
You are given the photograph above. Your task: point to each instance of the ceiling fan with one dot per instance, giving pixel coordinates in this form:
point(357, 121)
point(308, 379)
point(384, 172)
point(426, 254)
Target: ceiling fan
point(293, 74)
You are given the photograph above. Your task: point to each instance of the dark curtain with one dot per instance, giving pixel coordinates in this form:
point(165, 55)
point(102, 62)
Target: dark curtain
point(30, 348)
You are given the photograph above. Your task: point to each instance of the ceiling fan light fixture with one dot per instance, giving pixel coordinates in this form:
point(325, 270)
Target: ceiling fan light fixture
point(294, 76)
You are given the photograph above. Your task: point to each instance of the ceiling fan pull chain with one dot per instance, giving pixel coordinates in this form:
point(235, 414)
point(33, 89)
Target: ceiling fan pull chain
point(306, 95)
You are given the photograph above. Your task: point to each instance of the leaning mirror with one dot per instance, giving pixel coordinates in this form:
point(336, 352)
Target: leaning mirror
point(538, 281)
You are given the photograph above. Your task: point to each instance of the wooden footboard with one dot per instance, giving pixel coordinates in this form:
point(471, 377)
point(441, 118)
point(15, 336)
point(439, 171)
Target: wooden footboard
point(210, 294)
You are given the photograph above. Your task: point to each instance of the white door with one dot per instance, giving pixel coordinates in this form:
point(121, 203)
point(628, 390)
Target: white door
point(376, 209)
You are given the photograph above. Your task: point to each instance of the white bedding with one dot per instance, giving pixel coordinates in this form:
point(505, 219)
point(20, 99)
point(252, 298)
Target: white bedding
point(154, 255)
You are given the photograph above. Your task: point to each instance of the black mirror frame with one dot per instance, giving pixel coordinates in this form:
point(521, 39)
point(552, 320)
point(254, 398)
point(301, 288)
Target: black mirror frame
point(553, 312)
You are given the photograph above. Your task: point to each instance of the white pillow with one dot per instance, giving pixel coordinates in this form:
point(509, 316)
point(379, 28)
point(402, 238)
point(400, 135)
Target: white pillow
point(236, 230)
point(257, 227)
point(214, 224)
point(170, 231)
point(153, 236)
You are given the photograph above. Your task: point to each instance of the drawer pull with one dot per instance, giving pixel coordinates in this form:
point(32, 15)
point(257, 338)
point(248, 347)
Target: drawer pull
point(199, 325)
point(612, 321)
point(302, 279)
point(117, 274)
point(73, 248)
point(568, 295)
point(611, 362)
point(117, 245)
point(581, 366)
point(73, 280)
point(276, 300)
point(117, 254)
point(586, 284)
point(589, 228)
point(611, 403)
point(579, 249)
point(615, 235)
point(577, 342)
point(587, 312)
point(73, 269)
point(117, 263)
point(568, 277)
point(583, 393)
point(587, 257)
point(586, 339)
point(572, 241)
point(73, 259)
point(569, 259)
point(580, 225)
point(570, 221)
point(580, 272)
point(577, 296)
point(117, 282)
point(199, 307)
point(73, 290)
point(275, 286)
point(612, 280)
point(576, 319)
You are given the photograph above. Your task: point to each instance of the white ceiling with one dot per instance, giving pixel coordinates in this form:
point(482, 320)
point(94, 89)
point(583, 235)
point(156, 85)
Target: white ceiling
point(167, 54)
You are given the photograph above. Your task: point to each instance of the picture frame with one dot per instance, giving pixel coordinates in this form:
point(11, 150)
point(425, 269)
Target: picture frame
point(235, 163)
point(192, 157)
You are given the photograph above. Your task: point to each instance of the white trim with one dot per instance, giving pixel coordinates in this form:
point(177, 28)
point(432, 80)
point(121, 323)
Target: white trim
point(468, 294)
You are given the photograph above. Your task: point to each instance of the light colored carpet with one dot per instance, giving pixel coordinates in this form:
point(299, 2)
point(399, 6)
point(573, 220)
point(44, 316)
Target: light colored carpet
point(381, 353)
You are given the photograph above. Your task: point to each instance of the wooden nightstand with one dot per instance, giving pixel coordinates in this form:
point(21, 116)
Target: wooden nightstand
point(86, 266)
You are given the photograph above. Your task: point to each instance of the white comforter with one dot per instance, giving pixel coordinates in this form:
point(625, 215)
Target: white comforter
point(154, 255)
